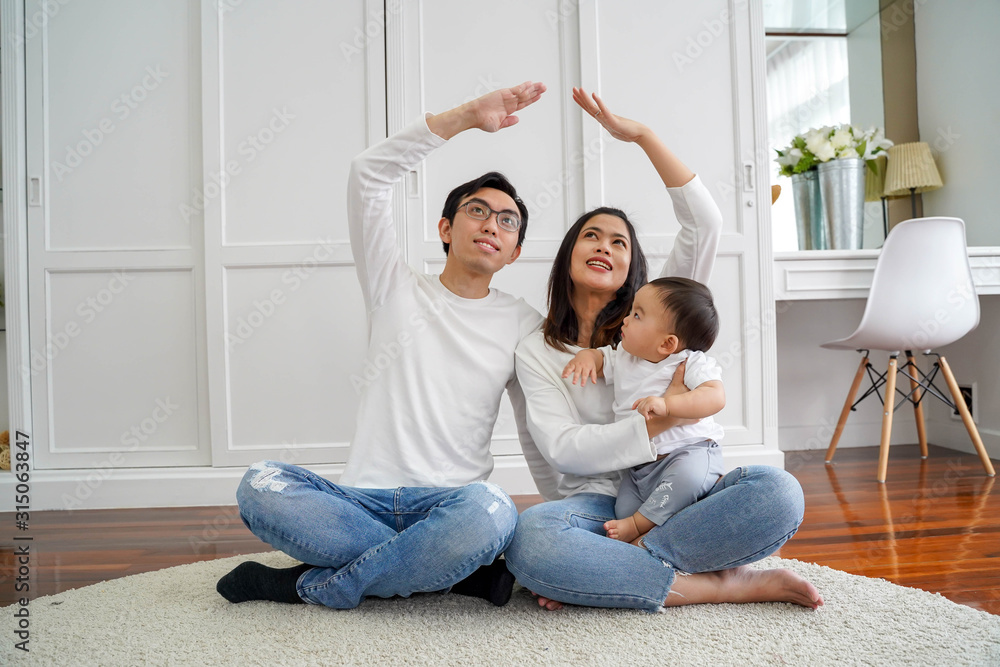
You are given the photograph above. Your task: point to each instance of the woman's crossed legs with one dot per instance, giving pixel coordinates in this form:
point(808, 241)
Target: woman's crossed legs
point(559, 550)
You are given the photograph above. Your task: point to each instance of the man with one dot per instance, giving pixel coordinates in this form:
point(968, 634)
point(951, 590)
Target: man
point(412, 512)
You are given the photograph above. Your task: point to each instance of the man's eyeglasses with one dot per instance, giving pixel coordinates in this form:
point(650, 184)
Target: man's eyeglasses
point(478, 210)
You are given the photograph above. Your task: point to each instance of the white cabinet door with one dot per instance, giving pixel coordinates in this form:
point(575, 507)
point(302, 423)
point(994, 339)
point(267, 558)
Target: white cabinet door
point(193, 299)
point(685, 69)
point(451, 51)
point(115, 273)
point(292, 92)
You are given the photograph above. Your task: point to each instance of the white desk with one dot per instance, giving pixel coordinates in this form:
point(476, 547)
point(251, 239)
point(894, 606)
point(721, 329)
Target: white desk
point(847, 274)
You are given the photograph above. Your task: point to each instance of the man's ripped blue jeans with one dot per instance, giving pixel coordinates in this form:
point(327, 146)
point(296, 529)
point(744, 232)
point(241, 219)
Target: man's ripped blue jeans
point(374, 542)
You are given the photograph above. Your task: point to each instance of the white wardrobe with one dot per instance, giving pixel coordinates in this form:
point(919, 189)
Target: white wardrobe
point(191, 304)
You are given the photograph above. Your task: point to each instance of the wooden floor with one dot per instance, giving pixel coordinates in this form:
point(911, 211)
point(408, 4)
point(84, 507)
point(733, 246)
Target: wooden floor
point(934, 525)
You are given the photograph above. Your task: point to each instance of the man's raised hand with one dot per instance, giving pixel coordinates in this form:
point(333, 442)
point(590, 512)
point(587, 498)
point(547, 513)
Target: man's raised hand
point(495, 111)
point(490, 113)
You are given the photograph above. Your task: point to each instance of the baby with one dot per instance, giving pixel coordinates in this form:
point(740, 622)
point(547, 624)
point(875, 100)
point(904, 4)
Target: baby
point(673, 320)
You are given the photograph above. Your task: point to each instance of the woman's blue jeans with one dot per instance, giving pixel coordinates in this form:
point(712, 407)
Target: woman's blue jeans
point(560, 550)
point(374, 542)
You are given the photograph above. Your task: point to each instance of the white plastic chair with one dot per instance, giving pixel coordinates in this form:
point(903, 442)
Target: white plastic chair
point(922, 297)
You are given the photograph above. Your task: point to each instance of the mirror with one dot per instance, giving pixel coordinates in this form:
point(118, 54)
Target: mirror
point(925, 70)
point(824, 67)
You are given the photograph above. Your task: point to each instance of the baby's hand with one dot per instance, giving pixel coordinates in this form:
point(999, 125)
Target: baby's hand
point(581, 366)
point(651, 405)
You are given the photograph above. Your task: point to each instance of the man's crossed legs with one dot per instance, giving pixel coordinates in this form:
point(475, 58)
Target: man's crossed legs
point(357, 543)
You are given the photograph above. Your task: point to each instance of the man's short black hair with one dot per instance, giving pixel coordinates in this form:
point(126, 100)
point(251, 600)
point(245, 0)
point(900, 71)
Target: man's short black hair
point(494, 180)
point(696, 322)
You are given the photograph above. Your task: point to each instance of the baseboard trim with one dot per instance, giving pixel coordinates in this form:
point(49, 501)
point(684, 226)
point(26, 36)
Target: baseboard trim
point(817, 436)
point(954, 436)
point(122, 488)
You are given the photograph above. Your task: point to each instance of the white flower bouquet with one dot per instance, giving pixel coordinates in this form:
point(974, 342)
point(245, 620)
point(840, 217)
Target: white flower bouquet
point(823, 144)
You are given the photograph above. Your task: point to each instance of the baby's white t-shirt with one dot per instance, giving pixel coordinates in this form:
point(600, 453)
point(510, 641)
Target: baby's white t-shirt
point(636, 378)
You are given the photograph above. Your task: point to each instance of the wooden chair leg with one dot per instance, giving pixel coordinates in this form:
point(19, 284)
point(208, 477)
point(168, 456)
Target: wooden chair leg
point(918, 408)
point(847, 408)
point(888, 403)
point(963, 410)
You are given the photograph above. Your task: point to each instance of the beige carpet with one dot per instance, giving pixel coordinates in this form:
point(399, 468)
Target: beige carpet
point(175, 617)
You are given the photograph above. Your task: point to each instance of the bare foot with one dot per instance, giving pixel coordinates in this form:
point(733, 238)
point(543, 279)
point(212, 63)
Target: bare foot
point(623, 530)
point(638, 541)
point(546, 603)
point(743, 584)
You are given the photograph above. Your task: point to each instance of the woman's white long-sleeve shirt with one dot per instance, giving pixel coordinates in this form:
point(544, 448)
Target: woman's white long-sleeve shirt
point(576, 445)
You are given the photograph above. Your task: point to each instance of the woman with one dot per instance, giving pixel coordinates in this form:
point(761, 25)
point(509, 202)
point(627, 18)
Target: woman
point(559, 550)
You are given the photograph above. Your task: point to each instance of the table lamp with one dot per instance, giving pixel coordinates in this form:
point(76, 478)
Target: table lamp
point(911, 169)
point(875, 189)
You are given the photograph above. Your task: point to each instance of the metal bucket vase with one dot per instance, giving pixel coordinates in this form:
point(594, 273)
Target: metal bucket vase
point(809, 218)
point(842, 185)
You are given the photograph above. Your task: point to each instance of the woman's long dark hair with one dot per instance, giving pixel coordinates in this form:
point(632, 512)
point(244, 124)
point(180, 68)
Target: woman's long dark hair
point(561, 327)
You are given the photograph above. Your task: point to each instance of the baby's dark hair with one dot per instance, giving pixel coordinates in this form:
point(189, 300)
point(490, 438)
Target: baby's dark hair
point(696, 322)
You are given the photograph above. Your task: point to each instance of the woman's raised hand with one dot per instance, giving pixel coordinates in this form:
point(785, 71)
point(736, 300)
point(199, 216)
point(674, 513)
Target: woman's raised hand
point(621, 128)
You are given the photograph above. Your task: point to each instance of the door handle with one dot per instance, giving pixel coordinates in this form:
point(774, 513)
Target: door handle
point(35, 191)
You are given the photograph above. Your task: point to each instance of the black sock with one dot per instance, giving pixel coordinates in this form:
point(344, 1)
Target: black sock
point(254, 581)
point(491, 582)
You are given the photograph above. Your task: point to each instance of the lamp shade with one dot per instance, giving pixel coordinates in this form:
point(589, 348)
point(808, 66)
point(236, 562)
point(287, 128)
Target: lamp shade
point(875, 180)
point(911, 168)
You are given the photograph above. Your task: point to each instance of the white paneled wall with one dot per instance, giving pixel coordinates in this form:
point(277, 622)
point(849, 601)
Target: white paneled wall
point(294, 346)
point(128, 380)
point(955, 55)
point(121, 127)
point(115, 276)
point(292, 106)
point(4, 389)
point(814, 381)
point(564, 164)
point(285, 109)
point(211, 216)
point(468, 49)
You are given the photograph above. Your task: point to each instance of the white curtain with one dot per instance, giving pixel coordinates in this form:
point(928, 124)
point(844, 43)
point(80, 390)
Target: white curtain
point(806, 88)
point(807, 15)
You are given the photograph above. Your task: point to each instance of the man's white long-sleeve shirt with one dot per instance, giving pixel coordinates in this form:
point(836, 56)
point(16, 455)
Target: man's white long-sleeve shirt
point(437, 363)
